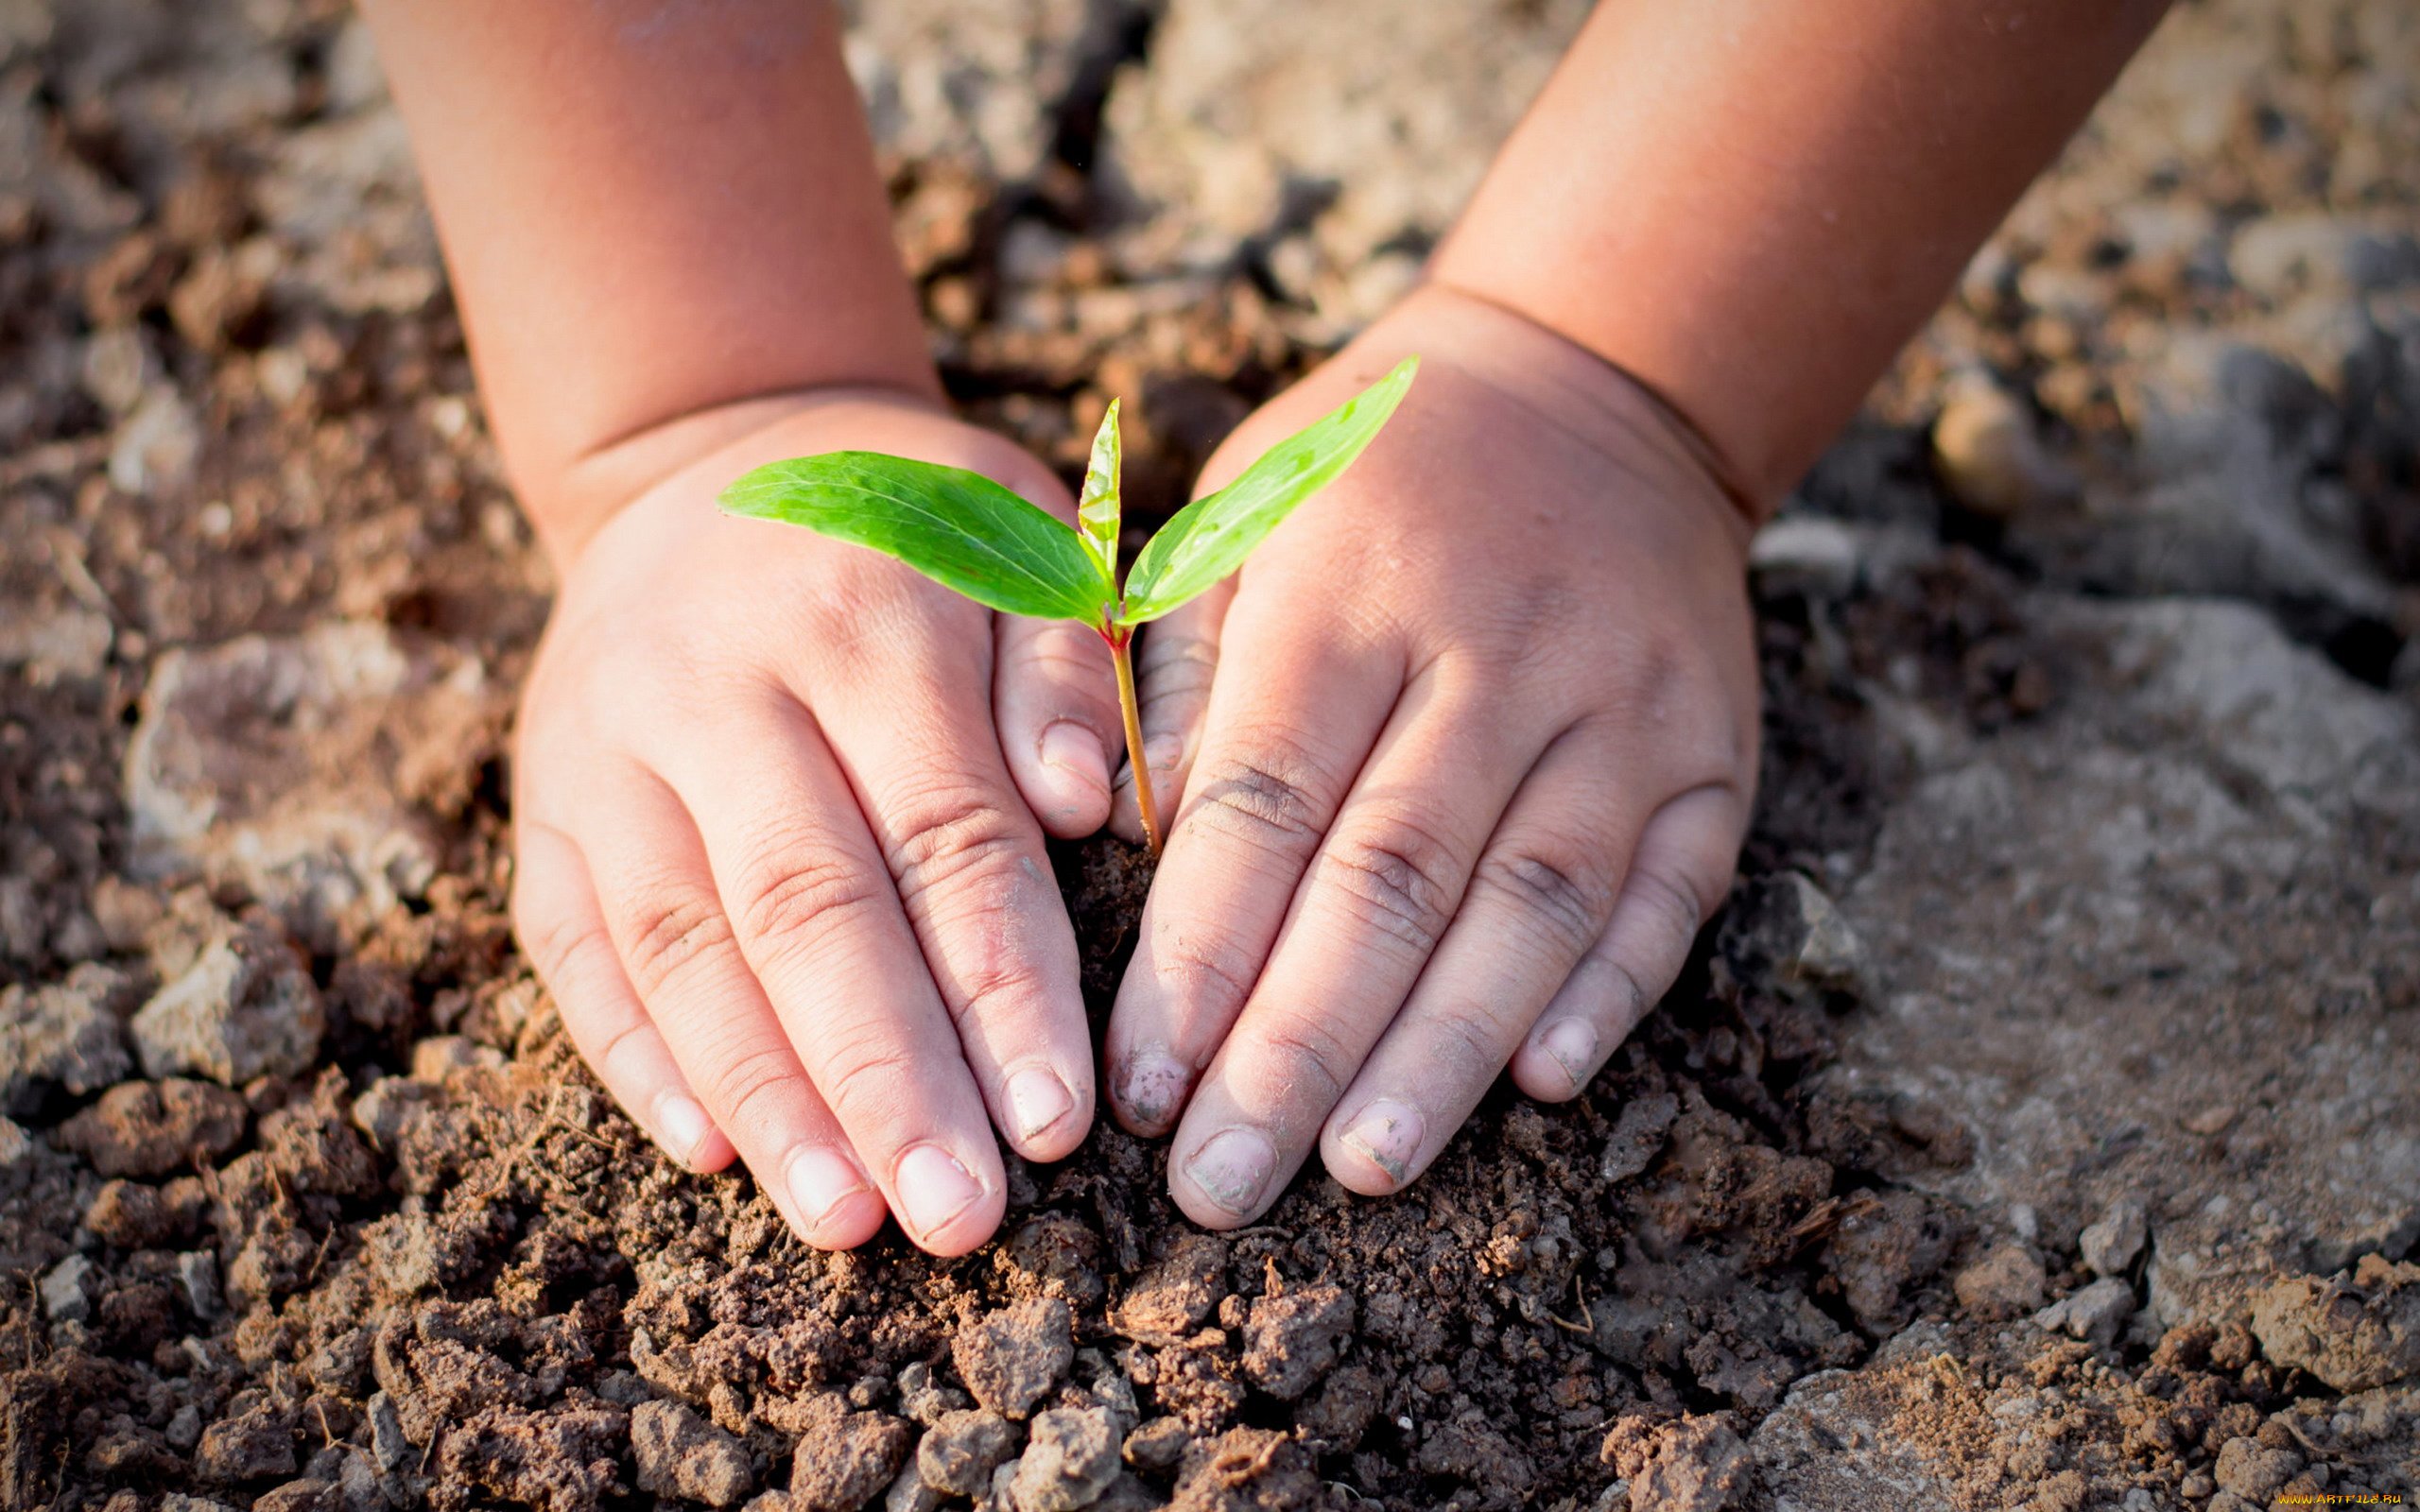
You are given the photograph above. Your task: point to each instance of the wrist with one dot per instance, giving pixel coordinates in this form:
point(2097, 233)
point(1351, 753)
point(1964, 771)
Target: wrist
point(1567, 383)
point(583, 497)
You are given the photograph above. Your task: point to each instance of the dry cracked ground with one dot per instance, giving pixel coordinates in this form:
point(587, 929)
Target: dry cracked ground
point(2038, 1127)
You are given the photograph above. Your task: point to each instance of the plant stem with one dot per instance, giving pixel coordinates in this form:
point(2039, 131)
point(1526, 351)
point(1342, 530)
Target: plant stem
point(1127, 706)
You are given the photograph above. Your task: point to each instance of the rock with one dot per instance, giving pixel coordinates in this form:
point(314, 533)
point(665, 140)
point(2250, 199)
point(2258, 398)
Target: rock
point(1291, 1340)
point(2110, 1243)
point(923, 1400)
point(1070, 1458)
point(909, 1493)
point(1011, 1357)
point(1638, 1135)
point(245, 1007)
point(198, 1272)
point(15, 1143)
point(2006, 1282)
point(1688, 1464)
point(2354, 1333)
point(1171, 1298)
point(959, 1451)
point(1810, 549)
point(63, 1290)
point(140, 1129)
point(2252, 1471)
point(300, 769)
point(1987, 450)
point(843, 1458)
point(677, 1452)
point(63, 1036)
point(156, 446)
point(2097, 1314)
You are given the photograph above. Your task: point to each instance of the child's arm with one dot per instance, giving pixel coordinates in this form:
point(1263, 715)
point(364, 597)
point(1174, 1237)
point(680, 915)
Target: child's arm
point(781, 872)
point(1482, 742)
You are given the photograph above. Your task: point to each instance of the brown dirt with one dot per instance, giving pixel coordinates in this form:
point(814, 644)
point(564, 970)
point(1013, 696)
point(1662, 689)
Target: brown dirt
point(435, 1266)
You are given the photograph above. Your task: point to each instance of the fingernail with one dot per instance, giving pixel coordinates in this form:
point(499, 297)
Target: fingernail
point(820, 1179)
point(934, 1188)
point(1071, 748)
point(680, 1125)
point(1037, 1099)
point(1573, 1044)
point(1388, 1135)
point(1232, 1167)
point(1154, 1087)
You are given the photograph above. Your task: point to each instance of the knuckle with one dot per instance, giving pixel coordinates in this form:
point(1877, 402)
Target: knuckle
point(1464, 1042)
point(1210, 967)
point(749, 1086)
point(1066, 654)
point(1402, 874)
point(794, 897)
point(1269, 797)
point(1563, 893)
point(955, 835)
point(1309, 1047)
point(1172, 666)
point(861, 1071)
point(672, 934)
point(1668, 908)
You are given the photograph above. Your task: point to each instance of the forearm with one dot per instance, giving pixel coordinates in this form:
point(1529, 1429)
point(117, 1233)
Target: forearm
point(1749, 206)
point(659, 218)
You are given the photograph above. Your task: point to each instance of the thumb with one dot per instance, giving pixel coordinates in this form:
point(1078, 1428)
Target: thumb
point(1174, 660)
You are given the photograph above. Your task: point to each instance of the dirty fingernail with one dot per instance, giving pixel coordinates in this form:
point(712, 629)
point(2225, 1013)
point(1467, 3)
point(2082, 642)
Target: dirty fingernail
point(1387, 1136)
point(1073, 751)
point(1232, 1167)
point(820, 1179)
point(1572, 1042)
point(1153, 1090)
point(1037, 1100)
point(934, 1188)
point(680, 1125)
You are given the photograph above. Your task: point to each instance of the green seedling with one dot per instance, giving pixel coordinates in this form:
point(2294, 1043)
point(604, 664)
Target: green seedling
point(971, 535)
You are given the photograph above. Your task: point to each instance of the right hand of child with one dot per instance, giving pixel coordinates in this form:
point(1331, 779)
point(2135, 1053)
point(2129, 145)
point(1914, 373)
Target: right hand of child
point(780, 870)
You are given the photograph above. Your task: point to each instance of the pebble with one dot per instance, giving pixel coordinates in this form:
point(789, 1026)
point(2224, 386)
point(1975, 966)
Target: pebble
point(1986, 449)
point(2097, 1314)
point(677, 1452)
point(2110, 1243)
point(198, 1272)
point(1069, 1460)
point(1638, 1135)
point(247, 1007)
point(62, 1034)
point(63, 1290)
point(962, 1448)
point(2005, 1282)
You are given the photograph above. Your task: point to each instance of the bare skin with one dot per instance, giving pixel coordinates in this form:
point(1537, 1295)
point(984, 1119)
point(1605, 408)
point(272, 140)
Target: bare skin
point(1464, 754)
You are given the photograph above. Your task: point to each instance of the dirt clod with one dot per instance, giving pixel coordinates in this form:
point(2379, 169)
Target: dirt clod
point(960, 1450)
point(1289, 1341)
point(1011, 1358)
point(140, 1129)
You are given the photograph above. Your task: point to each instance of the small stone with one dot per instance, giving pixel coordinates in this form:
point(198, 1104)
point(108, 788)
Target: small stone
point(251, 1446)
point(679, 1453)
point(2110, 1243)
point(63, 1035)
point(843, 1458)
point(2006, 1283)
point(1290, 1341)
point(1011, 1358)
point(961, 1451)
point(2197, 1486)
point(1638, 1135)
point(2252, 1471)
point(1806, 549)
point(1157, 1446)
point(908, 1493)
point(178, 1501)
point(184, 1429)
point(1986, 449)
point(198, 1272)
point(2097, 1314)
point(63, 1290)
point(1069, 1460)
point(15, 1143)
point(149, 1128)
point(247, 1007)
point(2208, 1122)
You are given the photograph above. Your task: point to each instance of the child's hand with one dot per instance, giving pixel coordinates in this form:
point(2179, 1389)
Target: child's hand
point(774, 862)
point(1477, 760)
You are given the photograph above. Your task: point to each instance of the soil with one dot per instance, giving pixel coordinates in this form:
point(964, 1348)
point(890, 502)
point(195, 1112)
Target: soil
point(306, 1204)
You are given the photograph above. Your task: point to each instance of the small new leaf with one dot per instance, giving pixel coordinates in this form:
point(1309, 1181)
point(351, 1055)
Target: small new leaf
point(956, 527)
point(1096, 509)
point(1209, 539)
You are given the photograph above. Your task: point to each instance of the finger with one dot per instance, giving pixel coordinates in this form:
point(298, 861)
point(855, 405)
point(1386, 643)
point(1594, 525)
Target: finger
point(984, 955)
point(1540, 897)
point(555, 912)
point(1174, 660)
point(1679, 874)
point(1373, 905)
point(815, 918)
point(677, 948)
point(1055, 700)
point(1287, 729)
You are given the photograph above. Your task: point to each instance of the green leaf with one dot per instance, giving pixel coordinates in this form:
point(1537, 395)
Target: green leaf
point(1097, 510)
point(958, 528)
point(1210, 538)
